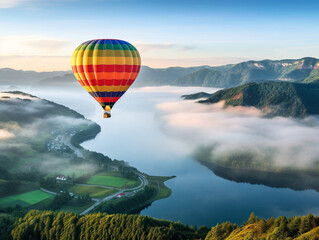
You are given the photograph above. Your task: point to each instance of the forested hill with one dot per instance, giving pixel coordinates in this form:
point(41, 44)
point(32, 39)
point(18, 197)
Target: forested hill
point(47, 225)
point(273, 98)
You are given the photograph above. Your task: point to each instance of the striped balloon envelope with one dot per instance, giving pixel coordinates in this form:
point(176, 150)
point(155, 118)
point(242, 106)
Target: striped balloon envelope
point(106, 68)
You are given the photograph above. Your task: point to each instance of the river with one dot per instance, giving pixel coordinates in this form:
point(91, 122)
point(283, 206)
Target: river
point(199, 197)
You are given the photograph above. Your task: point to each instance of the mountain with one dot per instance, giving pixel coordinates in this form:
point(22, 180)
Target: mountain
point(305, 70)
point(273, 98)
point(162, 76)
point(59, 81)
point(292, 70)
point(196, 96)
point(10, 76)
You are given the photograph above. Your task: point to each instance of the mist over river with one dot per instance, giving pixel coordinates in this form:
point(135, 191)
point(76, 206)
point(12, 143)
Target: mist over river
point(136, 134)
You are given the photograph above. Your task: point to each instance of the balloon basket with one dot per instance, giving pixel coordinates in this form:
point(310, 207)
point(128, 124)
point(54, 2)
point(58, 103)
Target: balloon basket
point(107, 114)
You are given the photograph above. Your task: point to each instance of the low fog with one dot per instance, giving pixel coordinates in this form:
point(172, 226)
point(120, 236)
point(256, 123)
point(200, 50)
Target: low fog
point(282, 142)
point(25, 127)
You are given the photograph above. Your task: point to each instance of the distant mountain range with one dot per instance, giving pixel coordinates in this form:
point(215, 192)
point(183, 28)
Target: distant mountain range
point(304, 70)
point(285, 99)
point(299, 70)
point(10, 76)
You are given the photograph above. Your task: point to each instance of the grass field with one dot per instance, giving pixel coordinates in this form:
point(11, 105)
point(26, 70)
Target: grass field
point(72, 171)
point(3, 181)
point(112, 181)
point(22, 188)
point(42, 205)
point(158, 181)
point(74, 206)
point(95, 192)
point(24, 199)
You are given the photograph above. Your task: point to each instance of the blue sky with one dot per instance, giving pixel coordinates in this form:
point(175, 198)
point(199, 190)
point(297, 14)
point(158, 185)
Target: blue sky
point(42, 34)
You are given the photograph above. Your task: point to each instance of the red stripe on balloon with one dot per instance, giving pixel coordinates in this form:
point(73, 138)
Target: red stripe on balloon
point(110, 82)
point(106, 68)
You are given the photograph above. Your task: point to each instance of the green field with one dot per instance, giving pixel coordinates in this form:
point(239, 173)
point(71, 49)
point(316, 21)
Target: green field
point(21, 188)
point(24, 199)
point(74, 206)
point(3, 181)
point(95, 192)
point(111, 181)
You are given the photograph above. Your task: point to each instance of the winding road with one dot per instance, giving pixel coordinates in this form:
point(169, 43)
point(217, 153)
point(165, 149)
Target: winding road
point(143, 180)
point(66, 140)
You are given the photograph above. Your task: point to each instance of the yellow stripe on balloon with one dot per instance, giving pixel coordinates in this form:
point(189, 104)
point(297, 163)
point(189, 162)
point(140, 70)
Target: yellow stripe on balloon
point(106, 61)
point(109, 53)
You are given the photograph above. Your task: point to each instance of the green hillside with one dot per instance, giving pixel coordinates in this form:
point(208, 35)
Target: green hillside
point(47, 225)
point(305, 228)
point(273, 98)
point(196, 96)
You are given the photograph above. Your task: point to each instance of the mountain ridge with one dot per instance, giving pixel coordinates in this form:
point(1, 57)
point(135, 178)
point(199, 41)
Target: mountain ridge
point(305, 70)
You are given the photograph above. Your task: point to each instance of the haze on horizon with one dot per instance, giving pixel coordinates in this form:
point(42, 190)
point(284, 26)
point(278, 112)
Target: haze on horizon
point(41, 35)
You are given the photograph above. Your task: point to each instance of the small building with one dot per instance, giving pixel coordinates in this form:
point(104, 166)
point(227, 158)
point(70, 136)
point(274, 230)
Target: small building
point(120, 195)
point(61, 178)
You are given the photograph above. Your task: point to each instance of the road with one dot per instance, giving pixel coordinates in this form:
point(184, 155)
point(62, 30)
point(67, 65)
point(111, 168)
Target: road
point(143, 180)
point(93, 185)
point(47, 191)
point(65, 139)
point(54, 193)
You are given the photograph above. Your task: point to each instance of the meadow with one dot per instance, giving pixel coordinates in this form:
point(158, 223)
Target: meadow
point(94, 191)
point(112, 181)
point(25, 199)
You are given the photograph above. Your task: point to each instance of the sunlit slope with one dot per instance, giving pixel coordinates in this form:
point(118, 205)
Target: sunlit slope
point(272, 98)
point(280, 228)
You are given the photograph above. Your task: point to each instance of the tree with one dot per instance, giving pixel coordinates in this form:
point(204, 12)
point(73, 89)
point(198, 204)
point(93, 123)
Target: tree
point(252, 219)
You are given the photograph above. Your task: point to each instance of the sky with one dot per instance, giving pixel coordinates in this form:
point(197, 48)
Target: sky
point(41, 35)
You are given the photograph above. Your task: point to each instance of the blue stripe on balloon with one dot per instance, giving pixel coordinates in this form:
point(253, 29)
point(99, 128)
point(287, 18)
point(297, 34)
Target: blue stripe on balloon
point(107, 94)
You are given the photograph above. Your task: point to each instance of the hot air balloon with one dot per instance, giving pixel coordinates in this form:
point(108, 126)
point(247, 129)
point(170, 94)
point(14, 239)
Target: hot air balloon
point(106, 68)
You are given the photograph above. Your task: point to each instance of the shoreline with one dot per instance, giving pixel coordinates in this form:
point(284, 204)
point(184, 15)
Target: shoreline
point(294, 180)
point(163, 190)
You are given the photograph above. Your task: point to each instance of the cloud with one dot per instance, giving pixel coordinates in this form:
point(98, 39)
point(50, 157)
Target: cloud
point(5, 134)
point(146, 47)
point(11, 3)
point(36, 63)
point(284, 142)
point(47, 44)
point(29, 45)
